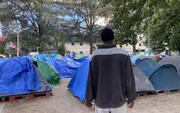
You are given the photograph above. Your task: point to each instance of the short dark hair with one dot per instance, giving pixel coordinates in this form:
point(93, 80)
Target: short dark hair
point(107, 34)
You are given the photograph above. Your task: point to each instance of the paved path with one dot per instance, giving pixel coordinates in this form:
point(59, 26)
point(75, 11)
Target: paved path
point(1, 107)
point(64, 102)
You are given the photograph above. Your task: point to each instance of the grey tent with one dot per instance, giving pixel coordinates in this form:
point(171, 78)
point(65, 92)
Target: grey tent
point(45, 86)
point(174, 60)
point(142, 82)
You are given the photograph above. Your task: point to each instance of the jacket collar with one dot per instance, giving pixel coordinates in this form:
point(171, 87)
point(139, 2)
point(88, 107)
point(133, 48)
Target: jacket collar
point(106, 46)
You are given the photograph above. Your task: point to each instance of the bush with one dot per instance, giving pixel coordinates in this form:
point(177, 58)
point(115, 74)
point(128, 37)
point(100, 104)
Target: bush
point(61, 49)
point(2, 50)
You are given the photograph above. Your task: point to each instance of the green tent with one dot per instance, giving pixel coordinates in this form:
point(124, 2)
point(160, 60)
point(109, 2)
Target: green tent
point(51, 75)
point(78, 56)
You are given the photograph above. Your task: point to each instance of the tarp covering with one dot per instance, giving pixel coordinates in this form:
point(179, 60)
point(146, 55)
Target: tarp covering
point(18, 75)
point(51, 75)
point(28, 56)
point(67, 67)
point(40, 57)
point(78, 82)
point(45, 87)
point(78, 56)
point(3, 59)
point(57, 56)
point(142, 82)
point(174, 60)
point(162, 77)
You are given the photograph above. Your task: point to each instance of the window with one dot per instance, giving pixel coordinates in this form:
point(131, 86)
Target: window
point(81, 52)
point(139, 44)
point(72, 44)
point(81, 44)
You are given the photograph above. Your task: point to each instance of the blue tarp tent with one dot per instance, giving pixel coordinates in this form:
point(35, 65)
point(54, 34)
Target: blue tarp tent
point(40, 57)
point(56, 56)
point(28, 56)
point(3, 59)
point(67, 67)
point(18, 75)
point(78, 82)
point(162, 77)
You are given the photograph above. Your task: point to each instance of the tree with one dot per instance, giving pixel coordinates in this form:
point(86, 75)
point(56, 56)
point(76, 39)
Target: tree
point(165, 25)
point(86, 15)
point(127, 18)
point(130, 19)
point(43, 20)
point(61, 49)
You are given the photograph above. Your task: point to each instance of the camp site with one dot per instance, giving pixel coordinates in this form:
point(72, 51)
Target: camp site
point(50, 51)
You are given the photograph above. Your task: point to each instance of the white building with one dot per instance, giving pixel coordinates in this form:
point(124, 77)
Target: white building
point(84, 47)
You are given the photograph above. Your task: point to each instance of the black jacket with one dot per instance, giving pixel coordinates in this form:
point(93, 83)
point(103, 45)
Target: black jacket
point(110, 79)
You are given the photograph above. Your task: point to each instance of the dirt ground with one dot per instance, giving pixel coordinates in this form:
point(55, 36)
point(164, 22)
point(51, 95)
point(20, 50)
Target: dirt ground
point(64, 102)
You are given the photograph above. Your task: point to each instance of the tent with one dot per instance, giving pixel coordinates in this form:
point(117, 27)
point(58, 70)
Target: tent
point(78, 56)
point(19, 76)
point(67, 67)
point(57, 56)
point(51, 75)
point(136, 58)
point(162, 77)
point(3, 59)
point(28, 56)
point(152, 57)
point(174, 60)
point(142, 82)
point(40, 57)
point(78, 82)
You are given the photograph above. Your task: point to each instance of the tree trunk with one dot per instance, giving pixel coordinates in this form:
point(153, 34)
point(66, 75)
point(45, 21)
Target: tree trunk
point(91, 46)
point(134, 48)
point(170, 52)
point(39, 50)
point(179, 51)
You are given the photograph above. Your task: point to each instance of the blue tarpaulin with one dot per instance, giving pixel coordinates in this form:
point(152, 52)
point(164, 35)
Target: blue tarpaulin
point(78, 82)
point(3, 59)
point(56, 55)
point(18, 75)
point(67, 67)
point(40, 57)
point(28, 56)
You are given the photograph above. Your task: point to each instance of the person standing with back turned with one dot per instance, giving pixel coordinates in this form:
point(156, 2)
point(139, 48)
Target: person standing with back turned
point(110, 80)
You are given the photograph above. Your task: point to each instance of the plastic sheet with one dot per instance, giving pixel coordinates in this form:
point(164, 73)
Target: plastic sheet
point(51, 75)
point(57, 56)
point(41, 57)
point(78, 82)
point(3, 59)
point(67, 67)
point(18, 75)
